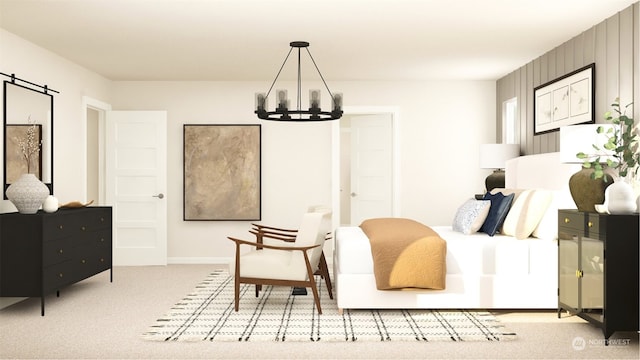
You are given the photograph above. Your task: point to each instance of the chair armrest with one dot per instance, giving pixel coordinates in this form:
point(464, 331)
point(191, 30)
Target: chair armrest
point(260, 227)
point(273, 235)
point(265, 246)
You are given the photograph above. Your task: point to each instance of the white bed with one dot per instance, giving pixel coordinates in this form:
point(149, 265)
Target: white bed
point(499, 272)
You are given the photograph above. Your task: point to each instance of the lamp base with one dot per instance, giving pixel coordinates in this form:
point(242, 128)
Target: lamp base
point(585, 191)
point(495, 180)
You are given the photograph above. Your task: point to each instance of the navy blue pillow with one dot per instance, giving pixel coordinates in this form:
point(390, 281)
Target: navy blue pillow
point(500, 205)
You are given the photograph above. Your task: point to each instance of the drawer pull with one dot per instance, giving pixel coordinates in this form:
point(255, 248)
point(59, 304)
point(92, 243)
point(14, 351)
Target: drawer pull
point(84, 261)
point(83, 228)
point(101, 239)
point(590, 224)
point(60, 251)
point(60, 227)
point(101, 260)
point(101, 219)
point(566, 220)
point(60, 275)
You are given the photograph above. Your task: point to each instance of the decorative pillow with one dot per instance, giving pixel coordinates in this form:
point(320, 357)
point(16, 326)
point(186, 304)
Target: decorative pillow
point(500, 205)
point(536, 208)
point(518, 207)
point(547, 228)
point(526, 213)
point(470, 216)
point(506, 191)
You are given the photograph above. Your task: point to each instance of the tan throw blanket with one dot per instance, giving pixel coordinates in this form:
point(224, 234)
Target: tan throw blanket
point(406, 254)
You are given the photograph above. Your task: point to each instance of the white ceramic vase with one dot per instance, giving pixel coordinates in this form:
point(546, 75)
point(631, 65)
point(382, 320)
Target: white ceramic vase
point(620, 198)
point(50, 204)
point(27, 193)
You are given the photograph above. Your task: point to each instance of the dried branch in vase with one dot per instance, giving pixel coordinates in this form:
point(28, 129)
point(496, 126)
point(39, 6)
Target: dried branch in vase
point(29, 145)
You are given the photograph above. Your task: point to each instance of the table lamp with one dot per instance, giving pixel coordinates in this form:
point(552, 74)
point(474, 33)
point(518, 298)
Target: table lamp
point(495, 156)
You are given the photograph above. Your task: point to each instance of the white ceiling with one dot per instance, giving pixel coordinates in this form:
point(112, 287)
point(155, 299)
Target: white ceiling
point(350, 39)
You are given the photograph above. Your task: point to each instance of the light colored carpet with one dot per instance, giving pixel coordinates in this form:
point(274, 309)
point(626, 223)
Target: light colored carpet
point(96, 319)
point(207, 313)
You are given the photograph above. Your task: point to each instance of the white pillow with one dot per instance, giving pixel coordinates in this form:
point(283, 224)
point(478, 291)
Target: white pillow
point(470, 216)
point(510, 225)
point(548, 226)
point(527, 212)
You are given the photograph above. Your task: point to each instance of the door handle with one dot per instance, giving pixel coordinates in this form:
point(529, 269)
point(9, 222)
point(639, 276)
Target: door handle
point(159, 196)
point(353, 194)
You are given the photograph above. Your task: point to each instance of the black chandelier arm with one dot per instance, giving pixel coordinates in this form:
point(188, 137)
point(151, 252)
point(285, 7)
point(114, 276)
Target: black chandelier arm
point(321, 77)
point(279, 71)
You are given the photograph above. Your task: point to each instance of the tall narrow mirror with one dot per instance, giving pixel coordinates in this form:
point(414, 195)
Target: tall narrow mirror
point(28, 120)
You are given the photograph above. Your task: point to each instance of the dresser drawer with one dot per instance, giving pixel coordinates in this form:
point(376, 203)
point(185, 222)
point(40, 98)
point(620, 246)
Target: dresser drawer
point(569, 220)
point(593, 226)
point(91, 263)
point(56, 227)
point(57, 251)
point(98, 219)
point(59, 275)
point(93, 238)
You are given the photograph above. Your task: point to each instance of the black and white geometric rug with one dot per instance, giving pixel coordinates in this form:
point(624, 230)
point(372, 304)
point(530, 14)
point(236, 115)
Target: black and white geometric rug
point(207, 314)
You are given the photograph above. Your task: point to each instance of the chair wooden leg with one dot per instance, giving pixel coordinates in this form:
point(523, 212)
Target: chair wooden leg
point(324, 271)
point(236, 278)
point(316, 296)
point(237, 291)
point(258, 288)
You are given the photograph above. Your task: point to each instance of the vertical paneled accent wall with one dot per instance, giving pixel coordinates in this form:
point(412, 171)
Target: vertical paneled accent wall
point(613, 45)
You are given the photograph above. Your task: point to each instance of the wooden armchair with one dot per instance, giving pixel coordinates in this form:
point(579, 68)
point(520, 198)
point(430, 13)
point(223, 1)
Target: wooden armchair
point(263, 232)
point(290, 264)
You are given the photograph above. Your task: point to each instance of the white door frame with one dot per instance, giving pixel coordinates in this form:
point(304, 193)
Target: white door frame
point(101, 108)
point(335, 156)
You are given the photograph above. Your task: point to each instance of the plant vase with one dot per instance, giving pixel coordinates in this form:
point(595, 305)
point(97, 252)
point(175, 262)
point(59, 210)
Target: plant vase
point(620, 198)
point(27, 194)
point(587, 191)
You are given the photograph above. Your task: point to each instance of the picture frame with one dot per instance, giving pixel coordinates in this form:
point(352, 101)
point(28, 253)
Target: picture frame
point(16, 165)
point(222, 172)
point(567, 100)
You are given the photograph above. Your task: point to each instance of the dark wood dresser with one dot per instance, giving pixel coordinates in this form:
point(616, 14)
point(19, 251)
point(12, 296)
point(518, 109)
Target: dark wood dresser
point(598, 269)
point(43, 252)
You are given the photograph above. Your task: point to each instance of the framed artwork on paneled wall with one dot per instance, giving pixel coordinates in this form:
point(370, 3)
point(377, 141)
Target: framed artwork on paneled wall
point(567, 100)
point(222, 176)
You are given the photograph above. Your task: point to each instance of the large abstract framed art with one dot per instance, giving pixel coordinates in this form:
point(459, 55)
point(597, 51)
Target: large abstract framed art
point(222, 172)
point(567, 100)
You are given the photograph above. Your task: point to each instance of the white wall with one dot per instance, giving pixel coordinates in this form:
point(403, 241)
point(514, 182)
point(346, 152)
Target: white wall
point(30, 62)
point(441, 125)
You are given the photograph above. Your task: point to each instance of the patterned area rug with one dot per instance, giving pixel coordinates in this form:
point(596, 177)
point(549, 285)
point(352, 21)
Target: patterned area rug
point(207, 314)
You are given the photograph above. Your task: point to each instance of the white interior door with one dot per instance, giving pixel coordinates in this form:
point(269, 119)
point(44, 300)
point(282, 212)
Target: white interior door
point(371, 167)
point(136, 171)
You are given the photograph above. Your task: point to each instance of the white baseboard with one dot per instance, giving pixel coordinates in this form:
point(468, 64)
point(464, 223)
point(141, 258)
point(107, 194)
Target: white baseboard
point(199, 260)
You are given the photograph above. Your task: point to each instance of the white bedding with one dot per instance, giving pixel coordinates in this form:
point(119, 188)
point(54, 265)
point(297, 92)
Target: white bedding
point(500, 254)
point(499, 272)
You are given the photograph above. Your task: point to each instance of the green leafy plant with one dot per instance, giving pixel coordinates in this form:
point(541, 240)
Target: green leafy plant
point(621, 148)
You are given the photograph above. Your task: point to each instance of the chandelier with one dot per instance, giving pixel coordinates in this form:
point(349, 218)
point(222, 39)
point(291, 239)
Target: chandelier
point(283, 112)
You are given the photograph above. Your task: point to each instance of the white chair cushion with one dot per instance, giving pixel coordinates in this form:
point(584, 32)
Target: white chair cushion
point(273, 264)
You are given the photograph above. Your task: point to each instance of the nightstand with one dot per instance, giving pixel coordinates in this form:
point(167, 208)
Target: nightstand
point(598, 269)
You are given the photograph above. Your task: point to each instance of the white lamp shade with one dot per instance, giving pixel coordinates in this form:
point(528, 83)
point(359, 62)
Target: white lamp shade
point(495, 156)
point(581, 138)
